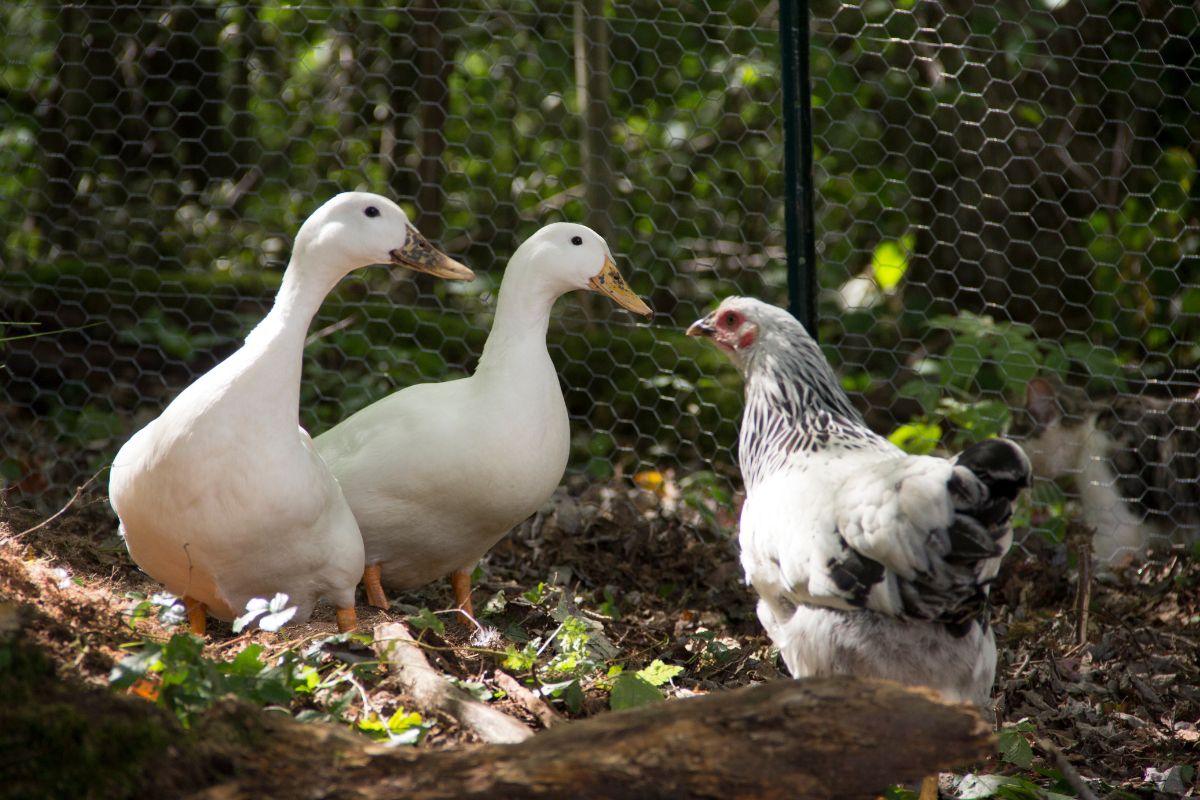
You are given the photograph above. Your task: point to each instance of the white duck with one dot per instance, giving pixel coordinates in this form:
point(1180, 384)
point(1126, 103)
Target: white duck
point(223, 498)
point(501, 435)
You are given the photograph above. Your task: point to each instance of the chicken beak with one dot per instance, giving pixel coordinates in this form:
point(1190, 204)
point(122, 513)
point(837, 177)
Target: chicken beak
point(702, 327)
point(419, 255)
point(610, 282)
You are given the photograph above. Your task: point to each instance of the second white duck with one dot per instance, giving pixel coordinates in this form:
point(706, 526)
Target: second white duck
point(500, 436)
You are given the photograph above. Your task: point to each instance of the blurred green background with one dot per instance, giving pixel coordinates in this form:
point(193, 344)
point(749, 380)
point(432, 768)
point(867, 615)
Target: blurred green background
point(1002, 188)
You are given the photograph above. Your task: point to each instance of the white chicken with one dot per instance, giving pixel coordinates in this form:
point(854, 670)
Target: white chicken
point(867, 561)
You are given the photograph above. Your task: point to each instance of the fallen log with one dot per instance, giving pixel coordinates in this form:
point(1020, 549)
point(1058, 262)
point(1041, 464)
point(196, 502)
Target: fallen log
point(822, 738)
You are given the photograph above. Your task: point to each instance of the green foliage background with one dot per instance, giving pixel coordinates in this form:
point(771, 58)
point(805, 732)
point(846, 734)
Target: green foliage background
point(1030, 163)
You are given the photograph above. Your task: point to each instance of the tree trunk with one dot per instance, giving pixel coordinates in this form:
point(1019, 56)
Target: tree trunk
point(593, 89)
point(63, 131)
point(242, 146)
point(434, 65)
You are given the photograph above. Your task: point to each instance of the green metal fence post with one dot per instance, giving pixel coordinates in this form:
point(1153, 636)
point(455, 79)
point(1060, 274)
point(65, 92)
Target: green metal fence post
point(797, 162)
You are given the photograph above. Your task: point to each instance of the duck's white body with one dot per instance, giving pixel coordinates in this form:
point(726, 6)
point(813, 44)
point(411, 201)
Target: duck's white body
point(395, 462)
point(501, 437)
point(223, 498)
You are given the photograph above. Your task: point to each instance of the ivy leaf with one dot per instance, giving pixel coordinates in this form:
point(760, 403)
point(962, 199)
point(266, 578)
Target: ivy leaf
point(129, 669)
point(255, 608)
point(1015, 749)
point(890, 261)
point(918, 438)
point(520, 660)
point(568, 691)
point(277, 612)
point(474, 688)
point(247, 661)
point(275, 621)
point(658, 673)
point(426, 620)
point(573, 697)
point(630, 690)
point(494, 605)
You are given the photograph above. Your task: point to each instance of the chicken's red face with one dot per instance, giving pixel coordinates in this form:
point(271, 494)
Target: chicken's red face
point(729, 328)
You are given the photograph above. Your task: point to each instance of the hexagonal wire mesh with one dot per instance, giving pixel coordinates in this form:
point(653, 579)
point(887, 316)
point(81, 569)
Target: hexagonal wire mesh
point(161, 156)
point(1002, 190)
point(1006, 190)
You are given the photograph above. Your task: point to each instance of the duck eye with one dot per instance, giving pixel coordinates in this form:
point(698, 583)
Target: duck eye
point(371, 211)
point(576, 240)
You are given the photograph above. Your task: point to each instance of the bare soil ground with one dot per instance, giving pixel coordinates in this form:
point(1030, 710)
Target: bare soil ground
point(658, 578)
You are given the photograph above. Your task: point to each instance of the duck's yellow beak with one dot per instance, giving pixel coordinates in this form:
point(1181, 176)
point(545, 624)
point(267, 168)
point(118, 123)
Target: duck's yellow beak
point(610, 282)
point(419, 255)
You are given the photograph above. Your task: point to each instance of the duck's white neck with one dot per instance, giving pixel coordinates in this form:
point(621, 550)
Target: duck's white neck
point(522, 317)
point(274, 350)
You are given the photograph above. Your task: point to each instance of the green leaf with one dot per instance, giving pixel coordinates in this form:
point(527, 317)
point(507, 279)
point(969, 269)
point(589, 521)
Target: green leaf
point(630, 690)
point(402, 727)
point(890, 262)
point(494, 605)
point(1015, 749)
point(402, 720)
point(924, 392)
point(247, 662)
point(183, 648)
point(963, 361)
point(520, 660)
point(658, 673)
point(427, 620)
point(917, 437)
point(129, 669)
point(568, 691)
point(573, 697)
point(536, 595)
point(474, 688)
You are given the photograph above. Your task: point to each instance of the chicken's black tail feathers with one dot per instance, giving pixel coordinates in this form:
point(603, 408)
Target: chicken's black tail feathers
point(1000, 464)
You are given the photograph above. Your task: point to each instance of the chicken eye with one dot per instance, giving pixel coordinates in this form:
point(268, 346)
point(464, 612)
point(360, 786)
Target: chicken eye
point(731, 320)
point(576, 240)
point(371, 211)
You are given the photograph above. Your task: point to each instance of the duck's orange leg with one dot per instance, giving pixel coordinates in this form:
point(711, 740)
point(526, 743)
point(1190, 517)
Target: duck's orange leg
point(197, 615)
point(347, 620)
point(929, 788)
point(461, 581)
point(372, 580)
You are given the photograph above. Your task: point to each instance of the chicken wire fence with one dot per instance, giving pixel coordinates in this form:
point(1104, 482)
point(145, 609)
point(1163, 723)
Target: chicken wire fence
point(1002, 189)
point(159, 157)
point(1005, 190)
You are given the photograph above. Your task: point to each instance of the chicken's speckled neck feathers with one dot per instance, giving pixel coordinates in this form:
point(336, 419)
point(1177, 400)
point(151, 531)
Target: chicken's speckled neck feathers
point(794, 402)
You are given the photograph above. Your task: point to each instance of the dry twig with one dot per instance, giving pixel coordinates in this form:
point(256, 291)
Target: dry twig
point(1082, 537)
point(79, 490)
point(1069, 773)
point(432, 693)
point(529, 701)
